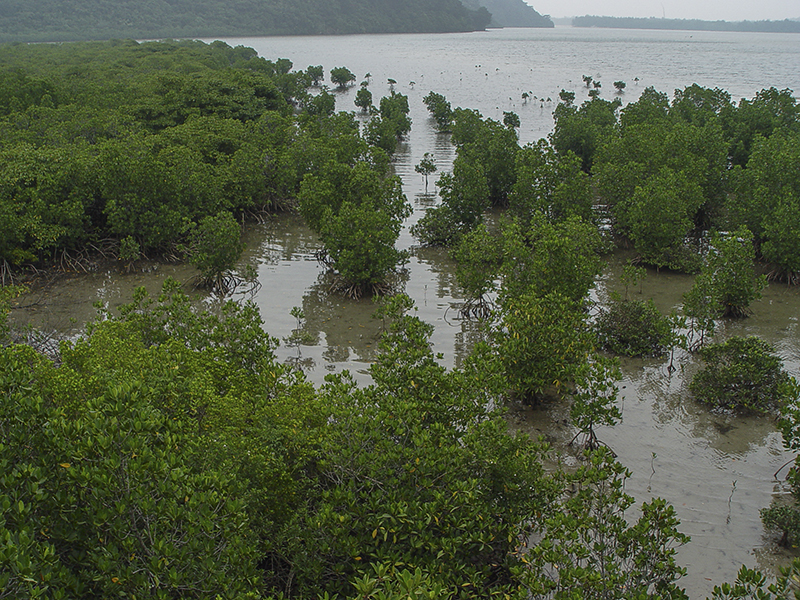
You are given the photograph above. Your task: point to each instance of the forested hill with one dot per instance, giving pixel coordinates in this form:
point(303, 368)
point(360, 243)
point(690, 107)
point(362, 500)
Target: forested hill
point(56, 20)
point(511, 13)
point(785, 26)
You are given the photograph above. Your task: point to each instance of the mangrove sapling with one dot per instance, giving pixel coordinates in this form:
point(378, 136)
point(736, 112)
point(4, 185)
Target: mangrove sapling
point(700, 310)
point(129, 252)
point(440, 110)
point(214, 245)
point(511, 120)
point(478, 258)
point(635, 327)
point(299, 336)
point(785, 516)
point(342, 77)
point(594, 402)
point(425, 167)
point(543, 343)
point(752, 583)
point(363, 99)
point(632, 275)
point(588, 548)
point(728, 279)
point(545, 257)
point(315, 74)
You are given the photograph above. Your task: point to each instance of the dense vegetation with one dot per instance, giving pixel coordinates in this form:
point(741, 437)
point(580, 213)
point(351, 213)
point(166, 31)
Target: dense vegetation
point(785, 26)
point(662, 176)
point(167, 453)
point(51, 20)
point(128, 149)
point(511, 13)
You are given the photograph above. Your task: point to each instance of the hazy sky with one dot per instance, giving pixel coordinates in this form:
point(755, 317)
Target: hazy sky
point(727, 10)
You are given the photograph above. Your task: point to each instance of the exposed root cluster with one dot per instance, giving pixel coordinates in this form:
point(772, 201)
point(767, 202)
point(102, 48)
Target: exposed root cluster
point(226, 283)
point(355, 291)
point(477, 308)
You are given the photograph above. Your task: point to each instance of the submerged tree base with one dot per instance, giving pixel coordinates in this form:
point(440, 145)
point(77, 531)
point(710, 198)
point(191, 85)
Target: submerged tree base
point(477, 308)
point(355, 291)
point(226, 284)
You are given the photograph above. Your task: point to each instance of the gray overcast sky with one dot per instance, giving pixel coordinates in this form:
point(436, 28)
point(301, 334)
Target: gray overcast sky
point(727, 10)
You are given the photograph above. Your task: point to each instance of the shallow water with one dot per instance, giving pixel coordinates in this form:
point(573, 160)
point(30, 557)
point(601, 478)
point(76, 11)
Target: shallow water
point(716, 469)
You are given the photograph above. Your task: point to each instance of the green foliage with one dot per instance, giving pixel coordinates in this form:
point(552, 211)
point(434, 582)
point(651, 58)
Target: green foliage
point(440, 110)
point(388, 583)
point(342, 77)
point(394, 108)
point(751, 584)
point(543, 343)
point(478, 257)
point(511, 120)
point(634, 328)
point(651, 107)
point(583, 130)
point(662, 178)
point(594, 400)
point(698, 105)
point(742, 373)
point(766, 201)
point(316, 74)
point(727, 280)
point(174, 131)
point(550, 257)
point(425, 167)
point(360, 243)
point(358, 212)
point(214, 246)
point(419, 472)
point(320, 105)
point(129, 249)
point(771, 110)
point(114, 502)
point(391, 124)
point(784, 516)
point(786, 520)
point(588, 544)
point(363, 99)
point(465, 197)
point(659, 216)
point(491, 145)
point(550, 184)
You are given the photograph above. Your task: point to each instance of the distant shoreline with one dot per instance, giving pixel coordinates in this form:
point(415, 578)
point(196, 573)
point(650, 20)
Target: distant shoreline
point(785, 26)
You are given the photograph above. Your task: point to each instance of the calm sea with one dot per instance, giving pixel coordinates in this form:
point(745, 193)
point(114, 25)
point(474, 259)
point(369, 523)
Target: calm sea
point(490, 70)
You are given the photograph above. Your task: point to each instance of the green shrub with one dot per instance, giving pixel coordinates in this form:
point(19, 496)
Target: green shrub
point(634, 328)
point(785, 519)
point(214, 247)
point(742, 373)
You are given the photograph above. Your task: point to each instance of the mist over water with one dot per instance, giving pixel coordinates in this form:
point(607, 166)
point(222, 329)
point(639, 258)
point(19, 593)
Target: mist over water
point(716, 469)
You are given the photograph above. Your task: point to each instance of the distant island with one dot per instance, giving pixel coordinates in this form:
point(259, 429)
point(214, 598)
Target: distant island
point(785, 26)
point(511, 13)
point(57, 20)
